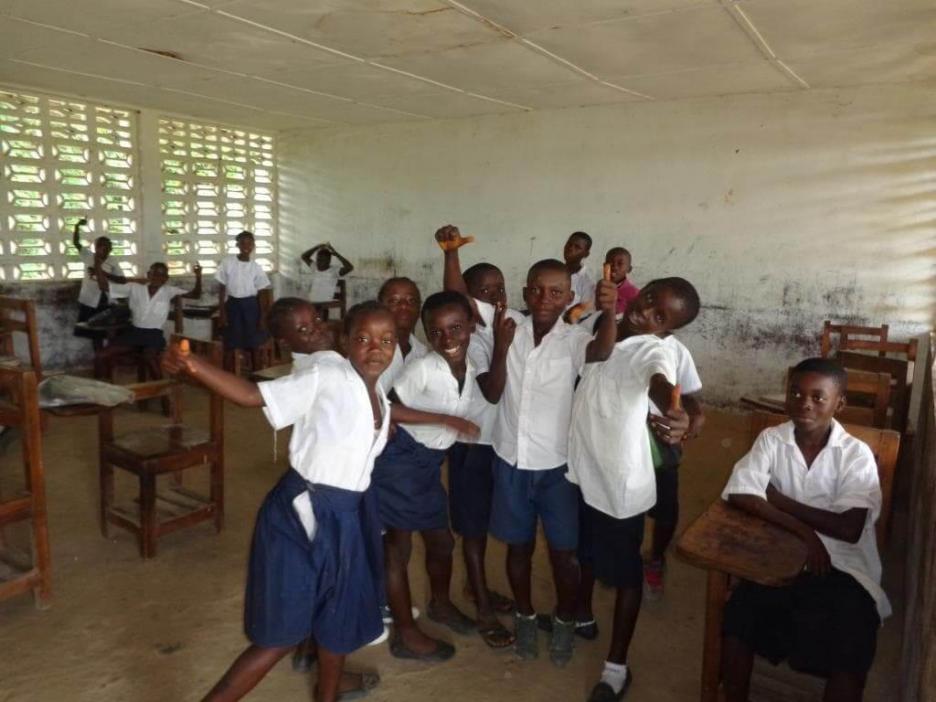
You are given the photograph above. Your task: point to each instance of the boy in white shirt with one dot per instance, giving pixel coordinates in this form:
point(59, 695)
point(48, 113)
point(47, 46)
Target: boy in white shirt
point(401, 296)
point(325, 273)
point(533, 377)
point(577, 248)
point(243, 297)
point(812, 478)
point(610, 456)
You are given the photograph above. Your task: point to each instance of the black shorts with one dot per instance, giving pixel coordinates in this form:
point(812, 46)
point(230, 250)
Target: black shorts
point(666, 509)
point(612, 547)
point(471, 486)
point(818, 625)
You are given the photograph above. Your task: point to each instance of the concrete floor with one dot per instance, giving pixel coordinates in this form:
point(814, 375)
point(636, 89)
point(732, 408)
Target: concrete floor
point(123, 629)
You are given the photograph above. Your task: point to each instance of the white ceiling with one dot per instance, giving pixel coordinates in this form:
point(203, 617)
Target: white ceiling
point(281, 64)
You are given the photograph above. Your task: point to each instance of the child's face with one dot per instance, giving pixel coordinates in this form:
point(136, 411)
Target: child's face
point(307, 332)
point(448, 330)
point(157, 276)
point(489, 287)
point(620, 266)
point(402, 299)
point(245, 245)
point(576, 249)
point(547, 294)
point(657, 310)
point(371, 343)
point(323, 259)
point(102, 247)
point(812, 400)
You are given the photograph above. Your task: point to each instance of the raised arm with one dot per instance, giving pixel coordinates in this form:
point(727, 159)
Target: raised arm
point(492, 383)
point(307, 256)
point(76, 240)
point(449, 238)
point(197, 291)
point(346, 265)
point(600, 348)
point(231, 387)
point(844, 526)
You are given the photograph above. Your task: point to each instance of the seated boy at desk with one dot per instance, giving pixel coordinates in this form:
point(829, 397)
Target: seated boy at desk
point(812, 478)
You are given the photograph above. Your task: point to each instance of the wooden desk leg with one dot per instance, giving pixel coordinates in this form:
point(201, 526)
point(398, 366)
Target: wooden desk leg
point(716, 591)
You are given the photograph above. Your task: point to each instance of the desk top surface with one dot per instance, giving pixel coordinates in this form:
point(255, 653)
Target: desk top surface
point(725, 538)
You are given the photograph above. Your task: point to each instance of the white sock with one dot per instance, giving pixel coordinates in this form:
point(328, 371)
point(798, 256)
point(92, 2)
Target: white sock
point(614, 675)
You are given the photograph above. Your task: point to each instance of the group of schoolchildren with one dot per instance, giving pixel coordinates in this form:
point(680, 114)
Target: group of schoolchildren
point(570, 415)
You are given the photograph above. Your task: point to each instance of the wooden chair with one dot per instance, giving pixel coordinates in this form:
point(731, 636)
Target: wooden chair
point(870, 339)
point(18, 316)
point(339, 302)
point(20, 408)
point(170, 449)
point(884, 444)
point(898, 370)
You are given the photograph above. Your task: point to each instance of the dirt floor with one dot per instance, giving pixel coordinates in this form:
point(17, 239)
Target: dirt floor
point(123, 629)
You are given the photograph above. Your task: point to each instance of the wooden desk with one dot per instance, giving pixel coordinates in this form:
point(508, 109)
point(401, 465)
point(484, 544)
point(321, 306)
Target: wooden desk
point(726, 541)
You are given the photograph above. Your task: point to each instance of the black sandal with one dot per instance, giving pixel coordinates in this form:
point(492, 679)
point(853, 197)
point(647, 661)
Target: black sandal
point(495, 635)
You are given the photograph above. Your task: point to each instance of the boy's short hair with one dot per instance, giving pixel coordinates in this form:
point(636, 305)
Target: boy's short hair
point(104, 240)
point(472, 273)
point(281, 311)
point(160, 264)
point(548, 264)
point(363, 309)
point(245, 234)
point(828, 367)
point(685, 291)
point(446, 298)
point(583, 236)
point(616, 250)
point(392, 281)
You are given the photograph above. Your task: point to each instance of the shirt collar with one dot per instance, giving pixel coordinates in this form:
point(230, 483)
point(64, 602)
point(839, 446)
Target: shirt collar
point(836, 436)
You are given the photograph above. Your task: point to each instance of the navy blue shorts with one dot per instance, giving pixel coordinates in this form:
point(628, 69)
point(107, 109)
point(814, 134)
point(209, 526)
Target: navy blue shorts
point(520, 496)
point(408, 480)
point(328, 588)
point(138, 338)
point(85, 313)
point(471, 485)
point(243, 320)
point(611, 547)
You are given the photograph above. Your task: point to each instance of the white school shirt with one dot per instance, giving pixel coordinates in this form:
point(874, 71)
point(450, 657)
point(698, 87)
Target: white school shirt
point(90, 293)
point(532, 429)
point(687, 375)
point(322, 284)
point(842, 476)
point(333, 439)
point(583, 285)
point(241, 278)
point(417, 350)
point(304, 361)
point(427, 384)
point(609, 447)
point(147, 312)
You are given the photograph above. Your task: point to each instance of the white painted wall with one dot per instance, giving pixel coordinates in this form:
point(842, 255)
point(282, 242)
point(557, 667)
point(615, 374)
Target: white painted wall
point(783, 209)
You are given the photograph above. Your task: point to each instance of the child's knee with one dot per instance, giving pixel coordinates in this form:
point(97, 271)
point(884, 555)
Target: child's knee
point(439, 542)
point(397, 546)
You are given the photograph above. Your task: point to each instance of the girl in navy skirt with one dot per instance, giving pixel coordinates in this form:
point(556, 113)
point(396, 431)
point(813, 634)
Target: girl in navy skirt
point(242, 302)
point(439, 397)
point(315, 561)
point(150, 300)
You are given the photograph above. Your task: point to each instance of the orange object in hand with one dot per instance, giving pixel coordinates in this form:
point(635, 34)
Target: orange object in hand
point(184, 348)
point(606, 271)
point(456, 243)
point(676, 398)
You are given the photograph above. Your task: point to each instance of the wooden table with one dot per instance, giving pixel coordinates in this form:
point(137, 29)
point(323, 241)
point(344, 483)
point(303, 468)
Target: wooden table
point(726, 541)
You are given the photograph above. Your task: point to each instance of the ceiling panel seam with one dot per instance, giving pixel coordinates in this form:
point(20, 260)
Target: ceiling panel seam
point(745, 23)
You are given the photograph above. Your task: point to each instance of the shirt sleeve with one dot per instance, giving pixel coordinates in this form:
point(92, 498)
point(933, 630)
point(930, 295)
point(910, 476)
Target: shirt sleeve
point(221, 275)
point(653, 358)
point(288, 398)
point(751, 475)
point(120, 290)
point(579, 346)
point(688, 374)
point(86, 256)
point(588, 289)
point(858, 485)
point(485, 311)
point(174, 291)
point(261, 280)
point(411, 382)
point(479, 355)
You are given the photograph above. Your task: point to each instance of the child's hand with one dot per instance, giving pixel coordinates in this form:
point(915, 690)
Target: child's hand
point(81, 223)
point(177, 359)
point(464, 427)
point(504, 328)
point(606, 296)
point(671, 427)
point(817, 557)
point(196, 269)
point(450, 239)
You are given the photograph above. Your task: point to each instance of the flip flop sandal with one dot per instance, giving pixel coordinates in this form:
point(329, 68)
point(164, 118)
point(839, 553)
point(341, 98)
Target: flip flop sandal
point(368, 682)
point(501, 603)
point(495, 635)
point(454, 620)
point(443, 651)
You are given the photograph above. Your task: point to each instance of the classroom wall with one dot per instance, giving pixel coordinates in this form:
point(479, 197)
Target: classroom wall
point(783, 209)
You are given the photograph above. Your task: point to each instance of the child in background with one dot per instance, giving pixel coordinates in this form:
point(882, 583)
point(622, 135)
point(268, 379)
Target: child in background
point(577, 248)
point(150, 301)
point(811, 477)
point(325, 274)
point(471, 480)
point(243, 298)
point(532, 377)
point(316, 557)
point(619, 259)
point(610, 458)
point(434, 400)
point(665, 513)
point(401, 296)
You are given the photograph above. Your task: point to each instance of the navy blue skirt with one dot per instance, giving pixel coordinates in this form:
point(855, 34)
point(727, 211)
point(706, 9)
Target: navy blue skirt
point(141, 339)
point(408, 479)
point(243, 320)
point(328, 588)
